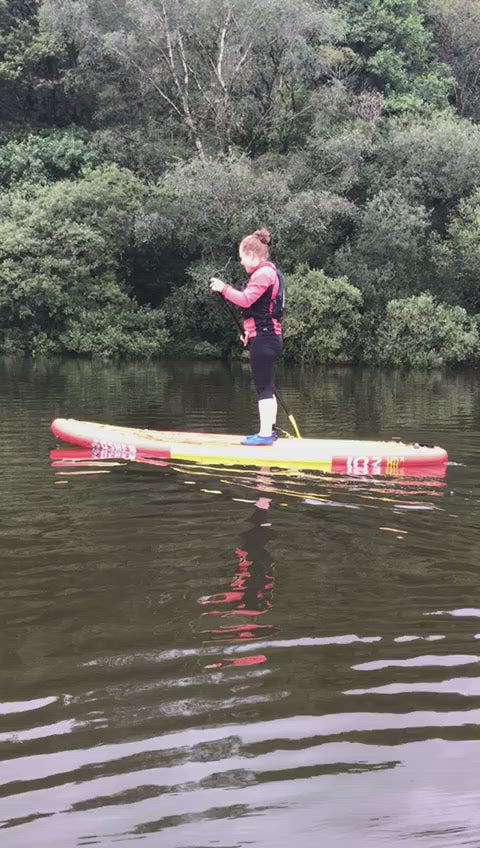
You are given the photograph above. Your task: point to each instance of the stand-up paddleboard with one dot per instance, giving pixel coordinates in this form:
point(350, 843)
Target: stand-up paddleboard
point(329, 455)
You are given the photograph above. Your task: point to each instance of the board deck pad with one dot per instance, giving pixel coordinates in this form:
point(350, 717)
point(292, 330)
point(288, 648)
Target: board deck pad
point(330, 455)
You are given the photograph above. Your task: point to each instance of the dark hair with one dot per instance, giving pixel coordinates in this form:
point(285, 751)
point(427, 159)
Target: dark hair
point(257, 243)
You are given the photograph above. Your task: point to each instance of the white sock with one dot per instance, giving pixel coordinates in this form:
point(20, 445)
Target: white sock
point(267, 409)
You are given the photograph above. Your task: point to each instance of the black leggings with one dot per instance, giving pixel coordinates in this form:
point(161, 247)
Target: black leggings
point(264, 352)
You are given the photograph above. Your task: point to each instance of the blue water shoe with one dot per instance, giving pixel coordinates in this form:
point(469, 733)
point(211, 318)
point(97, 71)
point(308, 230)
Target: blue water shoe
point(255, 436)
point(257, 439)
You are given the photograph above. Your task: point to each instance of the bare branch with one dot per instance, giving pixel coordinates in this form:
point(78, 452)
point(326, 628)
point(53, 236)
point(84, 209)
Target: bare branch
point(221, 50)
point(182, 93)
point(148, 76)
point(170, 49)
point(243, 58)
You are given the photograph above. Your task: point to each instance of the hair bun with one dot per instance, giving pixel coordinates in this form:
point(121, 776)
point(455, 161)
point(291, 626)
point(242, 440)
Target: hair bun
point(263, 236)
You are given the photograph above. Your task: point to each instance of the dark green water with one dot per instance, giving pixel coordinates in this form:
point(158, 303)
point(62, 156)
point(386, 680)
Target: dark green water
point(194, 658)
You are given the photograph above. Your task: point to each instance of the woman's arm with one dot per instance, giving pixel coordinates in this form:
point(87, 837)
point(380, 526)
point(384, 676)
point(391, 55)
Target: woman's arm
point(259, 282)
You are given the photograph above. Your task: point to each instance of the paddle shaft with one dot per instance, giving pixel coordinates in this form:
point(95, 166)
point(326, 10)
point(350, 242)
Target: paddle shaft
point(277, 394)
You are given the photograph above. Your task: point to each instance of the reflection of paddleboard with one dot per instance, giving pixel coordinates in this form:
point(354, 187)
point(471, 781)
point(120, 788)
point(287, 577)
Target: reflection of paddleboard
point(330, 455)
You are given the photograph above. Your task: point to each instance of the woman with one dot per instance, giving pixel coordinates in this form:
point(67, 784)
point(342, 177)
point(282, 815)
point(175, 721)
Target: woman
point(261, 303)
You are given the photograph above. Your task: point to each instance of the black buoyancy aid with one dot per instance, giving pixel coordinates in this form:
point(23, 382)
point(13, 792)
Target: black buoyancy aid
point(267, 306)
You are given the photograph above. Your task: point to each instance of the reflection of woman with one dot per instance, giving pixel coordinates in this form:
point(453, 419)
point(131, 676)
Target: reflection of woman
point(251, 589)
point(261, 302)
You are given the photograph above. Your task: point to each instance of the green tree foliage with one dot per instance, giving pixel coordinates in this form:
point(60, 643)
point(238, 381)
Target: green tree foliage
point(457, 258)
point(213, 203)
point(341, 140)
point(335, 123)
point(456, 27)
point(389, 252)
point(34, 68)
point(197, 319)
point(323, 320)
point(397, 52)
point(217, 72)
point(421, 333)
point(202, 209)
point(310, 225)
point(46, 157)
point(62, 250)
point(436, 162)
point(121, 329)
point(198, 212)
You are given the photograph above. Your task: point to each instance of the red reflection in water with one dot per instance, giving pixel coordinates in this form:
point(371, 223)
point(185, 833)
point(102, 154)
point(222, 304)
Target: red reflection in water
point(260, 658)
point(250, 593)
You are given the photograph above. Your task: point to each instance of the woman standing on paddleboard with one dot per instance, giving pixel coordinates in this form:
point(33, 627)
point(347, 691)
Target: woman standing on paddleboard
point(261, 304)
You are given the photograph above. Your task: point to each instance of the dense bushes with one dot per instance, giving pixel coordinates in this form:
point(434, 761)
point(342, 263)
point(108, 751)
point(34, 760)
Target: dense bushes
point(419, 332)
point(325, 324)
point(123, 330)
point(46, 157)
point(323, 321)
point(197, 319)
point(63, 248)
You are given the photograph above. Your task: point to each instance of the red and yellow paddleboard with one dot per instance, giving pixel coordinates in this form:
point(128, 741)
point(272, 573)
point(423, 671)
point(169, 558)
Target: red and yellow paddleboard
point(328, 455)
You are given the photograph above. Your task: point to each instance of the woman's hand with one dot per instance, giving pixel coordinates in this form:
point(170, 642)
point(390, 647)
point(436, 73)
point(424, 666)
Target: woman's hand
point(217, 285)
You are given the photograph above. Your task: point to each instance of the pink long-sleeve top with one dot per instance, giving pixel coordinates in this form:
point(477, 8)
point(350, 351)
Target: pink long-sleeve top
point(259, 281)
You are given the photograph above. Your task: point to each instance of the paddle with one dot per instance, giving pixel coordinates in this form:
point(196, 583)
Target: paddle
point(282, 403)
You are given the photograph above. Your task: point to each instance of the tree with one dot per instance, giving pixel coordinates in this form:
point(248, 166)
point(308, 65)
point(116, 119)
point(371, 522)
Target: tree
point(422, 333)
point(340, 142)
point(397, 52)
point(219, 71)
point(457, 258)
point(201, 210)
point(207, 206)
point(323, 319)
point(62, 249)
point(310, 225)
point(456, 27)
point(197, 320)
point(46, 157)
point(33, 66)
point(388, 254)
point(435, 163)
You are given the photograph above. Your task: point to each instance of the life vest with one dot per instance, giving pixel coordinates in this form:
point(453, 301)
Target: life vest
point(267, 307)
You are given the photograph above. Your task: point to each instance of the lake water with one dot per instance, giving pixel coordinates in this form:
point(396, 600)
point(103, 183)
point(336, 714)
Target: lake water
point(202, 657)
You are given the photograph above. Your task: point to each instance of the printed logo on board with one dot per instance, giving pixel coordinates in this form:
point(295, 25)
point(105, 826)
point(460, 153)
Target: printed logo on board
point(373, 464)
point(113, 450)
